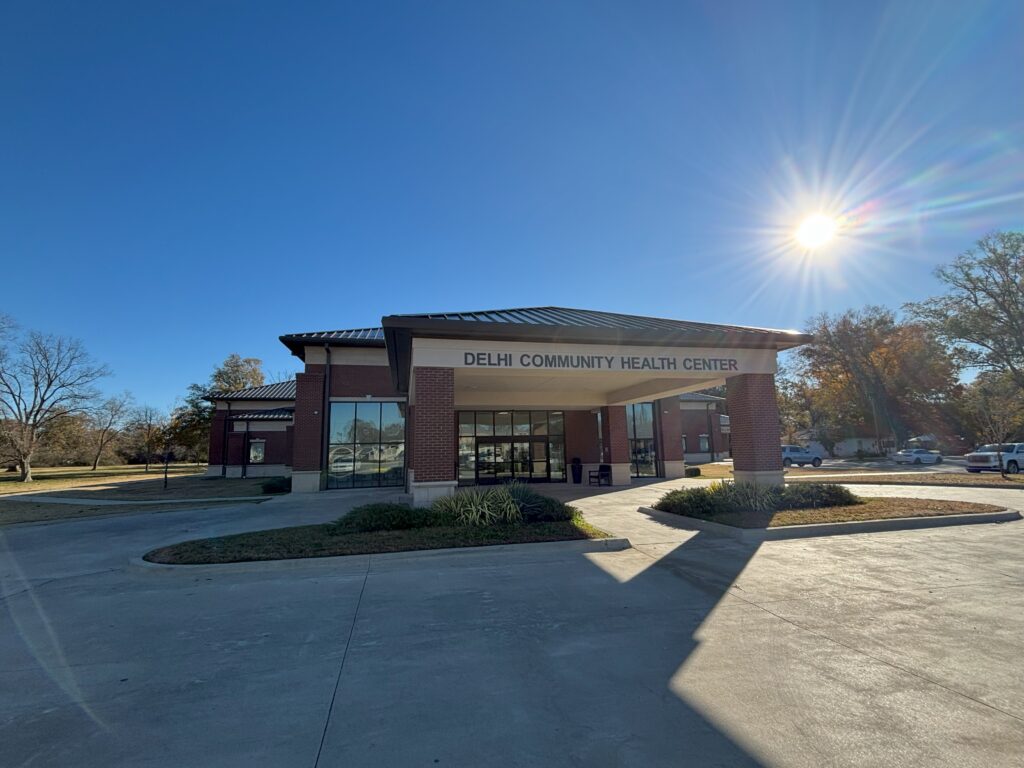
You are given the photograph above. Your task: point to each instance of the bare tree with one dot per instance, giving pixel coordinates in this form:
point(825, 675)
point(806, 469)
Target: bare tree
point(43, 378)
point(107, 420)
point(992, 401)
point(149, 426)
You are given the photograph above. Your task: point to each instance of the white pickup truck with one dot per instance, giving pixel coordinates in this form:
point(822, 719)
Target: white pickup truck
point(987, 458)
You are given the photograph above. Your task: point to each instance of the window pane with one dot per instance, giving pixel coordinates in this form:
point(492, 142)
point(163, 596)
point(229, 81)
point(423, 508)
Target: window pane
point(521, 423)
point(343, 422)
point(484, 423)
point(339, 466)
point(392, 464)
point(557, 451)
point(366, 465)
point(556, 423)
point(367, 422)
point(630, 421)
point(485, 459)
point(467, 423)
point(503, 423)
point(703, 443)
point(539, 420)
point(644, 413)
point(257, 450)
point(392, 422)
point(467, 458)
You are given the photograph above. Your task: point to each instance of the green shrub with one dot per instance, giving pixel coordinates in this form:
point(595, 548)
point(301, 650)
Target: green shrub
point(724, 498)
point(812, 495)
point(277, 485)
point(480, 506)
point(691, 472)
point(388, 517)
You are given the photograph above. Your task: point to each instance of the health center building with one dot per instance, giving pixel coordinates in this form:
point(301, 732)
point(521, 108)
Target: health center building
point(432, 402)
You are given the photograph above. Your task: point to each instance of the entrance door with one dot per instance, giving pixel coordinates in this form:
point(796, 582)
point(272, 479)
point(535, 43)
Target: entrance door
point(499, 460)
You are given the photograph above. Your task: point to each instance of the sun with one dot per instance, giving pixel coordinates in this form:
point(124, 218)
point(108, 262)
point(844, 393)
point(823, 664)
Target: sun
point(816, 230)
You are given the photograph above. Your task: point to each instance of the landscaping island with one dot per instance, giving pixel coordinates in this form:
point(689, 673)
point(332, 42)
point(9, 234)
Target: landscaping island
point(512, 514)
point(748, 506)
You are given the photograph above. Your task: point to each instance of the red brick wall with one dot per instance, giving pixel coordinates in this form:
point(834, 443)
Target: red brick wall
point(217, 438)
point(616, 440)
point(581, 437)
point(670, 429)
point(306, 436)
point(695, 424)
point(358, 380)
point(754, 414)
point(433, 419)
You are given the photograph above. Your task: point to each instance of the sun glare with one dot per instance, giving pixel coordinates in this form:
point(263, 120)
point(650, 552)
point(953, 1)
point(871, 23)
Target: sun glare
point(816, 230)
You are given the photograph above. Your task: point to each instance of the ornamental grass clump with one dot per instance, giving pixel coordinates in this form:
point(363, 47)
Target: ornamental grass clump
point(723, 498)
point(479, 506)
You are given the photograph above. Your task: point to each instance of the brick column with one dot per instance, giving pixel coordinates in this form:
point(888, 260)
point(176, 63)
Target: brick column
point(756, 438)
point(432, 460)
point(307, 433)
point(669, 420)
point(616, 443)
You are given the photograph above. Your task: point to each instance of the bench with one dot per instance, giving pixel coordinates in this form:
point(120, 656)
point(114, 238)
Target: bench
point(602, 475)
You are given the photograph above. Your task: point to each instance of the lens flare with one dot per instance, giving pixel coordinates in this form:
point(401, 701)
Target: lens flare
point(816, 230)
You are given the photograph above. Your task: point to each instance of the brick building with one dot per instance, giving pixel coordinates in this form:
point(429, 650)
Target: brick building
point(430, 402)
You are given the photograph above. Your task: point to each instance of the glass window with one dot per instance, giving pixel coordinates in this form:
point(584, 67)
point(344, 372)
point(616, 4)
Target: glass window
point(484, 423)
point(467, 423)
point(684, 445)
point(503, 423)
point(367, 422)
point(644, 417)
point(556, 423)
point(257, 451)
point(392, 422)
point(367, 445)
point(704, 444)
point(343, 417)
point(539, 421)
point(467, 458)
point(557, 453)
point(521, 423)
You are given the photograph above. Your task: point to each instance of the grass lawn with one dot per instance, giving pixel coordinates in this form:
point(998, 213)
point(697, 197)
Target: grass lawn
point(924, 478)
point(33, 512)
point(718, 471)
point(130, 483)
point(871, 509)
point(322, 541)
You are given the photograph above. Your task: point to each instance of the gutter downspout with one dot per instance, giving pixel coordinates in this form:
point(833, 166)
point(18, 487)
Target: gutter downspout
point(245, 451)
point(325, 421)
point(224, 445)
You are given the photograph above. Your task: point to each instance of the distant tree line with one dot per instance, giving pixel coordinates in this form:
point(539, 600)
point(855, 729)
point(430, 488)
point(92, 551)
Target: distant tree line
point(871, 372)
point(52, 414)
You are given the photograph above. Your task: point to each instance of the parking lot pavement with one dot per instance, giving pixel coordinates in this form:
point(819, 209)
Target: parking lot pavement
point(896, 648)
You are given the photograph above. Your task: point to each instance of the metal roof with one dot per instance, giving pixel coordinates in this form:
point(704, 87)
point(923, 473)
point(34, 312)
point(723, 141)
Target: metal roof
point(283, 390)
point(351, 337)
point(273, 414)
point(586, 318)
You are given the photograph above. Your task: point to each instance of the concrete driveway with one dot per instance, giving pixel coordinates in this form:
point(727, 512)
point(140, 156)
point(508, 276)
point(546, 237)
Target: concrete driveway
point(876, 649)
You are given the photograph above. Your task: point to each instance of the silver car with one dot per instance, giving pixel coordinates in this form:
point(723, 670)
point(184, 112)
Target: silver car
point(797, 454)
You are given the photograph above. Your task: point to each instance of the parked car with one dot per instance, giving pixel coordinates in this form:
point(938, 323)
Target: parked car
point(988, 457)
point(917, 456)
point(795, 454)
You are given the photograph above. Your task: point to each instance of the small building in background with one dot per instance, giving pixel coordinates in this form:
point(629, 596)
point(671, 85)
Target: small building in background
point(706, 432)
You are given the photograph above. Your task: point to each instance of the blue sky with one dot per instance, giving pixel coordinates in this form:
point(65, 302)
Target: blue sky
point(183, 180)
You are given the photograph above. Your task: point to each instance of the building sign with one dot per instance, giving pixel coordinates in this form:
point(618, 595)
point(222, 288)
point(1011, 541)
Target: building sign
point(677, 362)
point(599, 362)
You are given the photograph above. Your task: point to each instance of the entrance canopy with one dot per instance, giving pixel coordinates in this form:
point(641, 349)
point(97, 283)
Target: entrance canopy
point(553, 357)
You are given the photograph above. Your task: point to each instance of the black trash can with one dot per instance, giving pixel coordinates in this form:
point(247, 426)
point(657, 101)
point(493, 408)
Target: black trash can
point(577, 471)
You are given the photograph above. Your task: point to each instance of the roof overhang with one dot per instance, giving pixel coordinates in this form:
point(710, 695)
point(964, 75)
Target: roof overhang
point(400, 330)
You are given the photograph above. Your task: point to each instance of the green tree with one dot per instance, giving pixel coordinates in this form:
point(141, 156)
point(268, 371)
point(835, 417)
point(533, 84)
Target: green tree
point(237, 372)
point(870, 372)
point(982, 314)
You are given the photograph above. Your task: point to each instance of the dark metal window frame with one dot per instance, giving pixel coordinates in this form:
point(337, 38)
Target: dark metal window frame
point(491, 438)
point(333, 482)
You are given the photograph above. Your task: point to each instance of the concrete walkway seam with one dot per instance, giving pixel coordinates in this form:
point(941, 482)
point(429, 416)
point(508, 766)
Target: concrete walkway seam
point(611, 544)
point(831, 529)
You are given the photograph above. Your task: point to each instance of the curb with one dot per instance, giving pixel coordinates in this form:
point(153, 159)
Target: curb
point(832, 529)
point(359, 562)
point(834, 479)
